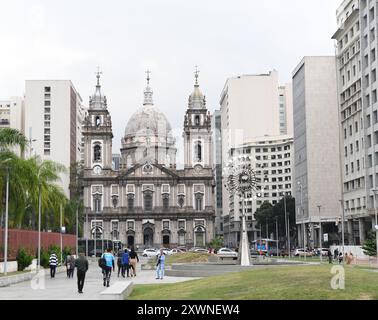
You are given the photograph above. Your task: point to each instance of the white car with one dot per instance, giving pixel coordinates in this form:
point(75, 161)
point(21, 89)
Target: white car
point(150, 253)
point(302, 253)
point(175, 251)
point(227, 252)
point(200, 250)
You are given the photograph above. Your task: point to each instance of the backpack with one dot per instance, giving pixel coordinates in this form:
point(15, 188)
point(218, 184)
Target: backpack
point(102, 263)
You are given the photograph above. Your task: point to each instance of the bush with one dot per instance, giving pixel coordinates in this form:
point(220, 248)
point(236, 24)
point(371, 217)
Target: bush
point(370, 245)
point(24, 260)
point(45, 258)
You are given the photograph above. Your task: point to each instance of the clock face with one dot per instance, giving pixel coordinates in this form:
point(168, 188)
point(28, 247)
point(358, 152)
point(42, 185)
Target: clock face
point(97, 170)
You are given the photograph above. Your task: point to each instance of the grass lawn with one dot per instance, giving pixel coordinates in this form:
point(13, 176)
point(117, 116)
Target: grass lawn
point(12, 273)
point(187, 257)
point(278, 283)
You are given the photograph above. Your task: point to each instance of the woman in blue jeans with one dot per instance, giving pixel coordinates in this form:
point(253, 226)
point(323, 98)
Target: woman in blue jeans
point(160, 265)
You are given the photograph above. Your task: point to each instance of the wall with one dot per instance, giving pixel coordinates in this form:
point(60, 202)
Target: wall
point(29, 240)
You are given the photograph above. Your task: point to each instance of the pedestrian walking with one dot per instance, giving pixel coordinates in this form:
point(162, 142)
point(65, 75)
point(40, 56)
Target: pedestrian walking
point(53, 261)
point(67, 261)
point(329, 254)
point(336, 254)
point(81, 263)
point(125, 263)
point(133, 262)
point(340, 257)
point(71, 266)
point(119, 263)
point(160, 265)
point(109, 266)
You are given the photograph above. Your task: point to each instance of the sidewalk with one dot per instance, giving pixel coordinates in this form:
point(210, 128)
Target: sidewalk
point(62, 288)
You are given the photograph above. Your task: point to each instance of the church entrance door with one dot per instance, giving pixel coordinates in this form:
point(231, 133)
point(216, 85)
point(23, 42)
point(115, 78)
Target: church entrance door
point(130, 241)
point(148, 237)
point(165, 240)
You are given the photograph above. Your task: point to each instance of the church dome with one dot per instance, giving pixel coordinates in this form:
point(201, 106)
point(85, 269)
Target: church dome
point(148, 121)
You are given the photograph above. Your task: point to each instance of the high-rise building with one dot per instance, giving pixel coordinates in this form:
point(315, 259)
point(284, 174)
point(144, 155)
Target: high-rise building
point(253, 108)
point(53, 123)
point(217, 132)
point(317, 183)
point(271, 157)
point(356, 38)
point(12, 113)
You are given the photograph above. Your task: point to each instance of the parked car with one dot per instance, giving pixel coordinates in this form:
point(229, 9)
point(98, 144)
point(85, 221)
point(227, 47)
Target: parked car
point(183, 249)
point(226, 252)
point(166, 251)
point(175, 251)
point(200, 250)
point(324, 252)
point(195, 248)
point(302, 253)
point(150, 253)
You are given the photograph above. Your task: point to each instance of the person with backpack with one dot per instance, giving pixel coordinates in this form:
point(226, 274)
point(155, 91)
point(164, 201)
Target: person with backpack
point(107, 266)
point(67, 264)
point(125, 263)
point(160, 265)
point(119, 263)
point(81, 264)
point(53, 261)
point(133, 262)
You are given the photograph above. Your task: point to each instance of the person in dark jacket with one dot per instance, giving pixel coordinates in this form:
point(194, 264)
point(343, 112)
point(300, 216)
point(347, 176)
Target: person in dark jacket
point(329, 253)
point(125, 263)
point(119, 263)
point(81, 264)
point(133, 262)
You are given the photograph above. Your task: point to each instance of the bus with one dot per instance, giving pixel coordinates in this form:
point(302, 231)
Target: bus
point(264, 247)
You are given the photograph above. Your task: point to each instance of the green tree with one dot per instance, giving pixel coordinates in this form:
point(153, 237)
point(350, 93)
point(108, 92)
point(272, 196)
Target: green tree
point(370, 246)
point(216, 243)
point(10, 138)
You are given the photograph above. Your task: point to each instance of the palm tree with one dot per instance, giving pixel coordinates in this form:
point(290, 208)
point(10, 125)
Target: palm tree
point(12, 137)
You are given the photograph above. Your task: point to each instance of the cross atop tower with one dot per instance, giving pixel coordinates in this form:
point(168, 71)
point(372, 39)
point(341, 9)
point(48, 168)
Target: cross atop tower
point(148, 76)
point(196, 74)
point(98, 73)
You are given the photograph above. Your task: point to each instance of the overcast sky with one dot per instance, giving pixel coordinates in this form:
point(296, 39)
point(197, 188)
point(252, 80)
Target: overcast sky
point(68, 39)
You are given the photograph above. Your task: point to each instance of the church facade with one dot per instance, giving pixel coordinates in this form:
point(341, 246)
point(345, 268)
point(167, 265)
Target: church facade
point(148, 202)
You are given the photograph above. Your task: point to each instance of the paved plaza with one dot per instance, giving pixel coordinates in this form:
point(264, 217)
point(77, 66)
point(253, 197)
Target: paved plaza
point(62, 288)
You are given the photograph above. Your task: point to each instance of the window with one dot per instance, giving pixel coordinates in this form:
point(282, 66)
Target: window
point(198, 151)
point(97, 202)
point(147, 197)
point(98, 121)
point(130, 201)
point(130, 225)
point(47, 89)
point(197, 120)
point(199, 201)
point(47, 103)
point(97, 153)
point(166, 225)
point(181, 224)
point(356, 126)
point(165, 201)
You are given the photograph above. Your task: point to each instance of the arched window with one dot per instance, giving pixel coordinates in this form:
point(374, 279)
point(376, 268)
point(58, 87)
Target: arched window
point(98, 121)
point(147, 197)
point(199, 201)
point(198, 151)
point(97, 153)
point(197, 120)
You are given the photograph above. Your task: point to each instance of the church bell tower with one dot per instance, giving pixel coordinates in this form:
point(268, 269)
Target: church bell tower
point(97, 133)
point(197, 131)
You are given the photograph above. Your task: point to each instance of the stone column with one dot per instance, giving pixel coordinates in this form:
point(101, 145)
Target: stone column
point(350, 232)
point(361, 228)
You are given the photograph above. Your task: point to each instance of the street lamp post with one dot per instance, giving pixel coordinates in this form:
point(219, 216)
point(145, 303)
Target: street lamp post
point(277, 235)
point(342, 226)
point(61, 235)
point(286, 227)
point(39, 225)
point(320, 234)
point(303, 224)
point(6, 226)
point(241, 179)
point(376, 219)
